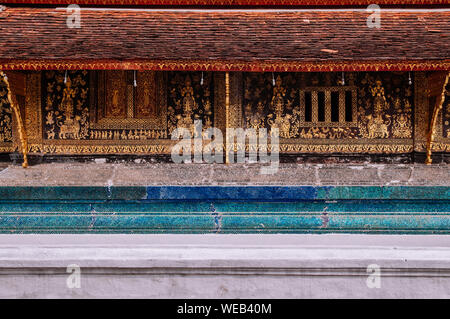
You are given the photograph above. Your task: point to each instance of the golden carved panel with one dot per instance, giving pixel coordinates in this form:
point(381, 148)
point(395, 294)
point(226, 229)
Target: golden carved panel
point(144, 106)
point(141, 131)
point(384, 106)
point(190, 98)
point(115, 97)
point(364, 112)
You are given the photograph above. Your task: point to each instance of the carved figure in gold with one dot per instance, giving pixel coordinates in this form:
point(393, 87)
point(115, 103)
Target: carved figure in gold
point(71, 126)
point(277, 120)
point(401, 126)
point(255, 120)
point(377, 126)
point(70, 129)
point(67, 99)
point(146, 108)
point(115, 109)
point(189, 105)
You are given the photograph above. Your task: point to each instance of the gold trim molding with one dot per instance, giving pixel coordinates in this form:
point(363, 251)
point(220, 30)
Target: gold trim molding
point(231, 65)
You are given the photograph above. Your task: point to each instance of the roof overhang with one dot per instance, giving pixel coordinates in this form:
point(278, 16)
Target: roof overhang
point(224, 40)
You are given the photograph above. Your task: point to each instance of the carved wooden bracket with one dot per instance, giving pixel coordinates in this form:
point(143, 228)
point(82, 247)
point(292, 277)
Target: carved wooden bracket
point(438, 83)
point(15, 85)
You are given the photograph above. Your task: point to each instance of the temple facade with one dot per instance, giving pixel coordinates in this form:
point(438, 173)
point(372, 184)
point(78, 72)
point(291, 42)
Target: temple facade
point(353, 97)
point(123, 79)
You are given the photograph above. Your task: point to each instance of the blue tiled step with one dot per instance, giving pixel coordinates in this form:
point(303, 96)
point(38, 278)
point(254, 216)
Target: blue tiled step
point(232, 193)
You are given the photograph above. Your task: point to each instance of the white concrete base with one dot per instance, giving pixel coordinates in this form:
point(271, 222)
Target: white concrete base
point(225, 266)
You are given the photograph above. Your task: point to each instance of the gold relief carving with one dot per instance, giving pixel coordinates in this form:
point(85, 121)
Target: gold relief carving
point(342, 138)
point(378, 122)
point(189, 100)
point(234, 114)
point(66, 110)
point(277, 105)
point(91, 147)
point(375, 146)
point(219, 101)
point(255, 120)
point(327, 133)
point(421, 111)
point(371, 114)
point(189, 104)
point(131, 135)
point(116, 94)
point(391, 114)
point(401, 120)
point(146, 104)
point(71, 126)
point(33, 111)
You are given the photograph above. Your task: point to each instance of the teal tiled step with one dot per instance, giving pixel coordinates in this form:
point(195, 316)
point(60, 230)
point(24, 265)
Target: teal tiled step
point(217, 209)
point(63, 222)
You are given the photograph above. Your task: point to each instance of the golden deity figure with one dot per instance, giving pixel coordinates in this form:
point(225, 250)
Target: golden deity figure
point(189, 106)
point(277, 104)
point(115, 109)
point(380, 102)
point(377, 126)
point(71, 125)
point(146, 108)
point(255, 120)
point(67, 100)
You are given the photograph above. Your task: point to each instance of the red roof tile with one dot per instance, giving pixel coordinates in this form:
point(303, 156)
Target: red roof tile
point(274, 36)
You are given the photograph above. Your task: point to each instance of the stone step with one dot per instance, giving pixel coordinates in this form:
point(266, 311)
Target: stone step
point(224, 266)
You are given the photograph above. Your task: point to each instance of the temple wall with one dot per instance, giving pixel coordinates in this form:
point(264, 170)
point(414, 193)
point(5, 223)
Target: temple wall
point(122, 112)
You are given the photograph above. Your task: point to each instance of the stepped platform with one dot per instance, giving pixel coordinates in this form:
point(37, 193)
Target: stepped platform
point(202, 198)
point(133, 229)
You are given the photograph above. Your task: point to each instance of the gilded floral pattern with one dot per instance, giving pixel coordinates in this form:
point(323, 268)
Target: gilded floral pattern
point(384, 104)
point(190, 98)
point(65, 104)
